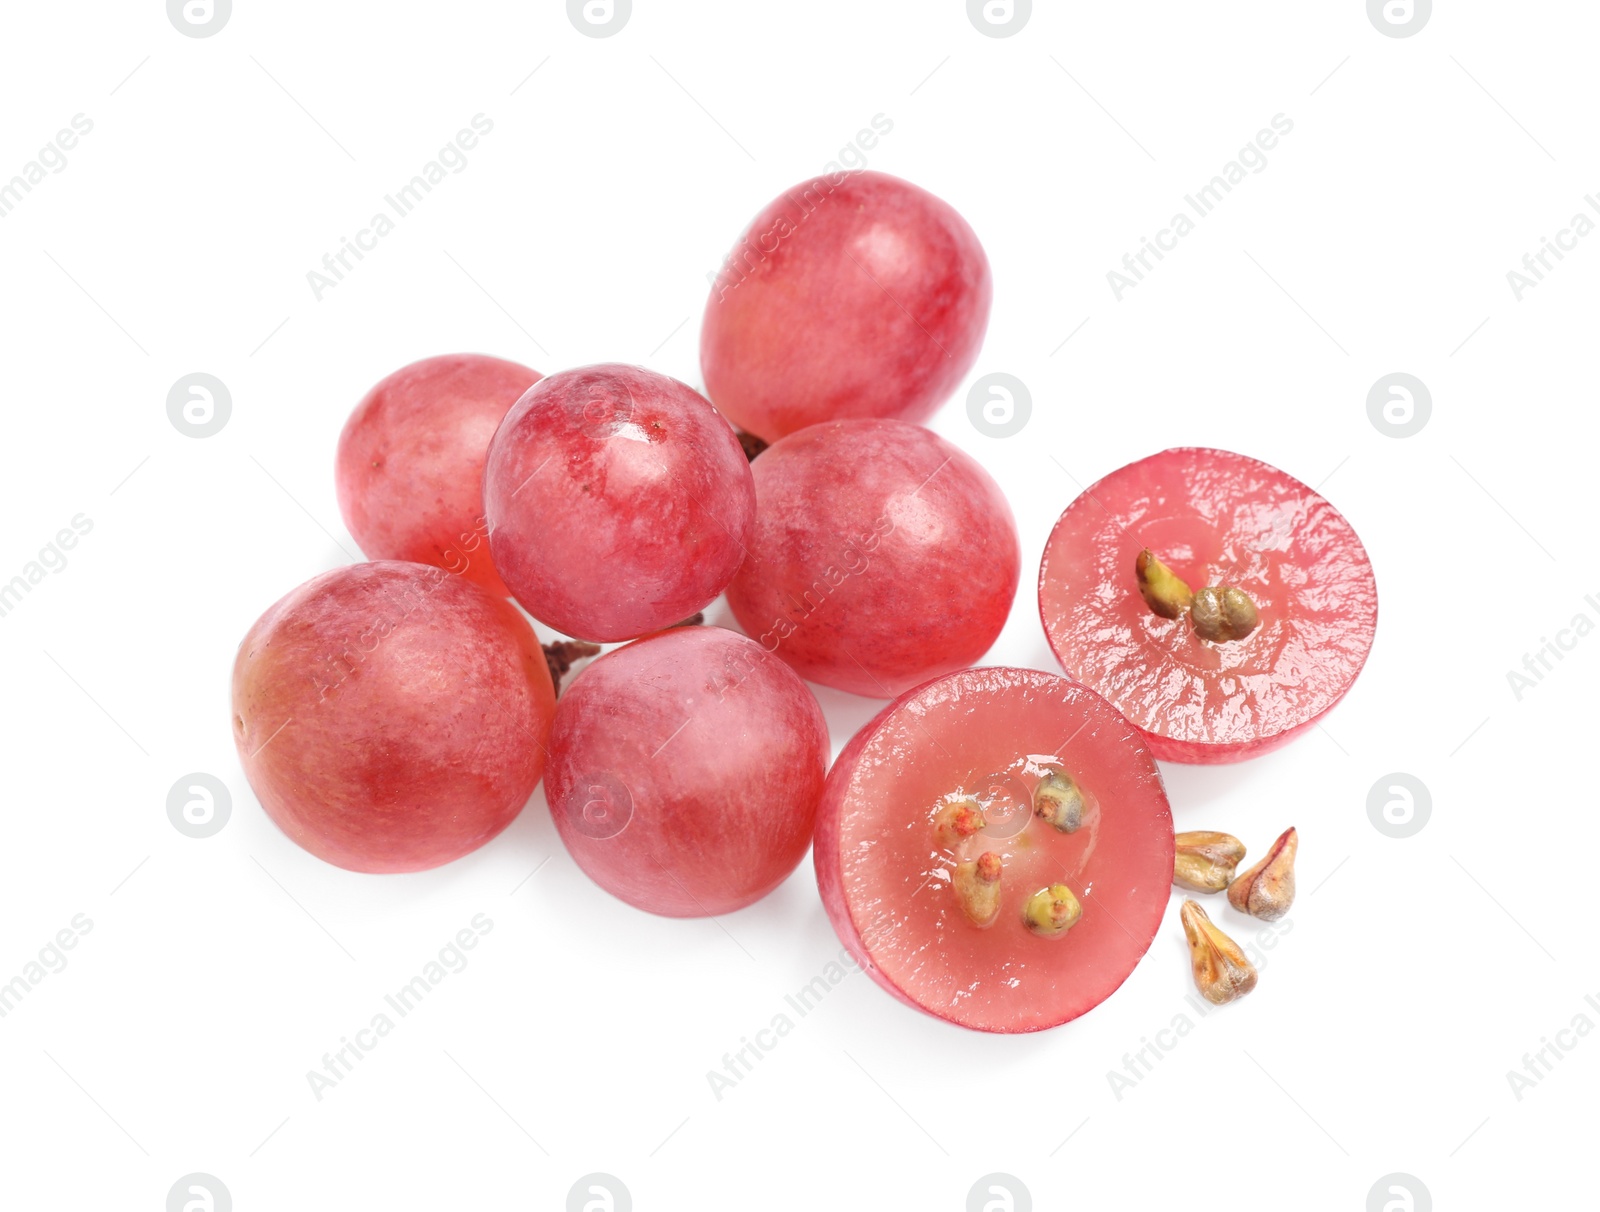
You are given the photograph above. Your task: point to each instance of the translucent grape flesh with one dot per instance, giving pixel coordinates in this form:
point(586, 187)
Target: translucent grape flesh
point(1213, 517)
point(885, 879)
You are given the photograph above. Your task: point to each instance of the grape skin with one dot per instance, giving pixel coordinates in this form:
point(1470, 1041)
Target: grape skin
point(685, 770)
point(882, 556)
point(390, 716)
point(409, 471)
point(618, 502)
point(851, 295)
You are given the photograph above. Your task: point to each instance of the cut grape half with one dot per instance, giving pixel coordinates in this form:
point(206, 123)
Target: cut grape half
point(1215, 519)
point(942, 789)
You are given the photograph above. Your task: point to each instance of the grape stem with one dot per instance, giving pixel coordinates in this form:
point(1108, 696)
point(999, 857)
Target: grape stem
point(562, 655)
point(752, 445)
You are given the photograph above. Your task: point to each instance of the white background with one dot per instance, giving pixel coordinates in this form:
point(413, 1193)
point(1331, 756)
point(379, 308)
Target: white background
point(1414, 973)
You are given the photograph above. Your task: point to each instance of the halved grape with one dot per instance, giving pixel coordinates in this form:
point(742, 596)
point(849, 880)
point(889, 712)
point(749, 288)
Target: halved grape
point(996, 849)
point(1215, 519)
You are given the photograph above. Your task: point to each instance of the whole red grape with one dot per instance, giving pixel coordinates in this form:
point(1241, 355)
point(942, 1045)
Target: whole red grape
point(618, 501)
point(882, 556)
point(685, 770)
point(852, 295)
point(410, 463)
point(390, 716)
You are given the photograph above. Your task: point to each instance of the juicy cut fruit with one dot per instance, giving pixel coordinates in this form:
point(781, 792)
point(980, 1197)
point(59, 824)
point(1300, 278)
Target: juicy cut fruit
point(1227, 524)
point(390, 716)
point(618, 501)
point(685, 770)
point(410, 463)
point(950, 775)
point(882, 556)
point(852, 295)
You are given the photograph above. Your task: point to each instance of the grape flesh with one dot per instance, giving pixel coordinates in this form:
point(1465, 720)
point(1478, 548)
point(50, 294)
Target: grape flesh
point(1215, 518)
point(887, 862)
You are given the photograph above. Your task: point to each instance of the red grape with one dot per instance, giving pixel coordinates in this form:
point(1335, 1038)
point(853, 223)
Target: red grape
point(1217, 519)
point(410, 463)
point(685, 770)
point(893, 847)
point(618, 501)
point(882, 555)
point(390, 716)
point(852, 295)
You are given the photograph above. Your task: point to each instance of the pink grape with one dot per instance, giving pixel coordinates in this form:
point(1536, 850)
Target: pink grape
point(618, 502)
point(390, 716)
point(988, 737)
point(1216, 518)
point(410, 462)
point(882, 556)
point(685, 770)
point(852, 295)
